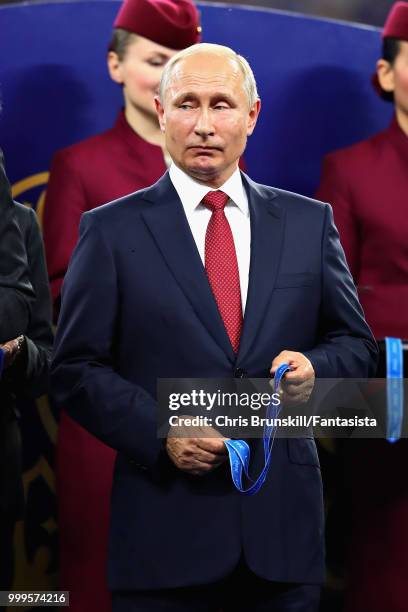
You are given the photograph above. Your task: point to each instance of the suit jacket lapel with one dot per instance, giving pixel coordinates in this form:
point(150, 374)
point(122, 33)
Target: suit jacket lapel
point(267, 232)
point(169, 227)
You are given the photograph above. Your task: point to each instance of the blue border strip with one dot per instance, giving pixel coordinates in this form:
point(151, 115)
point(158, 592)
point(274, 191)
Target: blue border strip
point(395, 387)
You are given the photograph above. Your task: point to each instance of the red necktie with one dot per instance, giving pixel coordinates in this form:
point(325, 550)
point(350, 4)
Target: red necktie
point(222, 267)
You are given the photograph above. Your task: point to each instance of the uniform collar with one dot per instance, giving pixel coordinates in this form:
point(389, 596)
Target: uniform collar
point(191, 192)
point(132, 138)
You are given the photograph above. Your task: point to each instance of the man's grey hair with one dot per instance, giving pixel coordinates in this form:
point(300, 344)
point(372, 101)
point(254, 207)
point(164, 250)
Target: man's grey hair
point(249, 79)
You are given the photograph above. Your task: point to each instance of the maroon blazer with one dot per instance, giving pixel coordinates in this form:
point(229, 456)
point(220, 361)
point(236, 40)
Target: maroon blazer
point(95, 171)
point(367, 185)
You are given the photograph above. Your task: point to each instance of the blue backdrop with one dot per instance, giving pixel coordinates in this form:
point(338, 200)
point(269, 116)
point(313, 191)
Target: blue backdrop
point(313, 78)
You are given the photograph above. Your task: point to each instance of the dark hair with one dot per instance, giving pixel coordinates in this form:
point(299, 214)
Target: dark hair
point(390, 49)
point(120, 42)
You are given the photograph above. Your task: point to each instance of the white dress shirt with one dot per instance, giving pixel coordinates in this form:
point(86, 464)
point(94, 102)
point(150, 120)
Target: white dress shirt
point(191, 194)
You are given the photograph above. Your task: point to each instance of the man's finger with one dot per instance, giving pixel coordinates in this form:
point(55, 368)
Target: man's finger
point(301, 376)
point(204, 456)
point(296, 378)
point(302, 371)
point(283, 357)
point(215, 446)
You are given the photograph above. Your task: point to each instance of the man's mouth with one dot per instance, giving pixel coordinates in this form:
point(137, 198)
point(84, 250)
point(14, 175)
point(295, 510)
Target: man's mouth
point(204, 149)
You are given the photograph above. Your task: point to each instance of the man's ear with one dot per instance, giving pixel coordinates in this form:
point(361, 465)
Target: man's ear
point(253, 117)
point(160, 113)
point(115, 67)
point(385, 74)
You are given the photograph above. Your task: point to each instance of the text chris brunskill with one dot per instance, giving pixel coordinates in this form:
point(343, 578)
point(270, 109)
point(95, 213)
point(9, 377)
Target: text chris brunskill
point(258, 421)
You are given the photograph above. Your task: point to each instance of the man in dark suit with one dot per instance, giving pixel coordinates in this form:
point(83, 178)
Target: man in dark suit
point(26, 337)
point(206, 274)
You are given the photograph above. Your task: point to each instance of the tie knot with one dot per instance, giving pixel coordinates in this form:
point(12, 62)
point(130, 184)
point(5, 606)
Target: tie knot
point(215, 200)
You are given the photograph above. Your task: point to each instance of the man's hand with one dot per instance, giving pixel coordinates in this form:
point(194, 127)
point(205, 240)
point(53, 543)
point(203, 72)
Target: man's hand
point(297, 385)
point(11, 349)
point(199, 451)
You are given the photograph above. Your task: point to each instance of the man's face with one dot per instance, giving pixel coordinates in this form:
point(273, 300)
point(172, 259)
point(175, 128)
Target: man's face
point(206, 116)
point(395, 78)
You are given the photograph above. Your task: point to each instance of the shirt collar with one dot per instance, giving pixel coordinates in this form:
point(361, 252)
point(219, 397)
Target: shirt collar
point(191, 192)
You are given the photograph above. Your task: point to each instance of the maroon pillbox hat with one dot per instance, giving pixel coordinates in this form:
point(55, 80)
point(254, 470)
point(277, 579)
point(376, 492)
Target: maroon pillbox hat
point(170, 23)
point(396, 26)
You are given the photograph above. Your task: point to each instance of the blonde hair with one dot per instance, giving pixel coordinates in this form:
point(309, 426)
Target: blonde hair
point(249, 78)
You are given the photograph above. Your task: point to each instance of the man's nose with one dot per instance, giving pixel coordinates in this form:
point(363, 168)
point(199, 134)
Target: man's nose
point(204, 126)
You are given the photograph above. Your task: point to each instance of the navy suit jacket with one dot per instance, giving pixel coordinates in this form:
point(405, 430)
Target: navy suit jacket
point(137, 306)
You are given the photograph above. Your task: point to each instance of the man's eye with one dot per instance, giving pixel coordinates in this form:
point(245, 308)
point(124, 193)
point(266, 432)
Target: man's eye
point(220, 107)
point(185, 106)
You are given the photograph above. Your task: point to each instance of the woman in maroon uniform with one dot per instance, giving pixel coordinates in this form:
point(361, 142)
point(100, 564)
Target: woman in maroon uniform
point(367, 184)
point(128, 157)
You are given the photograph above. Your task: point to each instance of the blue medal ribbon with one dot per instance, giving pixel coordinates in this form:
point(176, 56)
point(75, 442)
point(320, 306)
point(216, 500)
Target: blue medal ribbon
point(395, 387)
point(240, 453)
point(1, 361)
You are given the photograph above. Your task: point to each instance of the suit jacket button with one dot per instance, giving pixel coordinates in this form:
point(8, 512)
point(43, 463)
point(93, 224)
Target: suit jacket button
point(240, 373)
